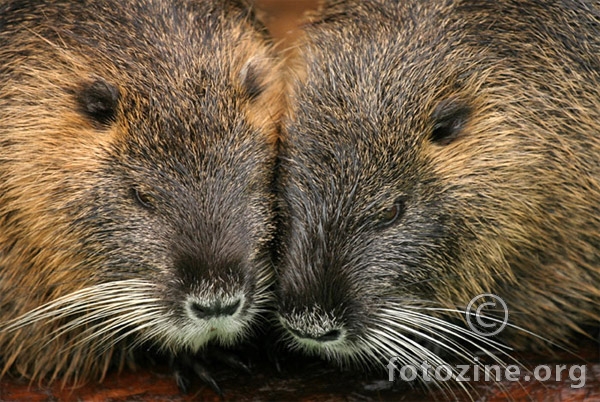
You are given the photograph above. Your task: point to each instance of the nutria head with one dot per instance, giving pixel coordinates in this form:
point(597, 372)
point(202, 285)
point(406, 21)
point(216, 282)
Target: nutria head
point(136, 158)
point(434, 152)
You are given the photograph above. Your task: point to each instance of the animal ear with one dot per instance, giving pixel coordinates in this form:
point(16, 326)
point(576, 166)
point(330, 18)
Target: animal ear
point(449, 118)
point(252, 76)
point(98, 100)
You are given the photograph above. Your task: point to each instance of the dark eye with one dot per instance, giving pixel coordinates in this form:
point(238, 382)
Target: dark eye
point(142, 199)
point(390, 215)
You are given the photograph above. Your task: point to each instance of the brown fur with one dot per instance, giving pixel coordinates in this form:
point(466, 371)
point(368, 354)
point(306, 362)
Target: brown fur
point(480, 122)
point(191, 131)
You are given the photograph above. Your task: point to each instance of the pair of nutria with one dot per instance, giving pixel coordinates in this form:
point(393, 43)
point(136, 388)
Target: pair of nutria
point(430, 152)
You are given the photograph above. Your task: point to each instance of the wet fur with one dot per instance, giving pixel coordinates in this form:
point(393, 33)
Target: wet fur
point(481, 120)
point(136, 152)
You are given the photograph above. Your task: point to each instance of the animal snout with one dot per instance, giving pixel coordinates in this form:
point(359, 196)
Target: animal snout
point(212, 288)
point(321, 335)
point(205, 310)
point(313, 325)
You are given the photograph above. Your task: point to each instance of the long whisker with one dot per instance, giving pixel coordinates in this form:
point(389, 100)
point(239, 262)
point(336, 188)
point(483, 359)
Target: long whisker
point(399, 321)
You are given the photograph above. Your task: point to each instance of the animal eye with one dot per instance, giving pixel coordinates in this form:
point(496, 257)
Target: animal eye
point(390, 215)
point(142, 199)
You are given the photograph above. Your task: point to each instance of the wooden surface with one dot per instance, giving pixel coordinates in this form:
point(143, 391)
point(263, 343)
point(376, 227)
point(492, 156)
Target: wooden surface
point(304, 379)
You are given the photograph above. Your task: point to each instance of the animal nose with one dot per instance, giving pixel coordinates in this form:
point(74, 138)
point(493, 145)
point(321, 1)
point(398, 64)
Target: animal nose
point(214, 309)
point(314, 326)
point(319, 336)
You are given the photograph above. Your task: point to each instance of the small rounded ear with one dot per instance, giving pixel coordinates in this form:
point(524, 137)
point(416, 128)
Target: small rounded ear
point(252, 76)
point(449, 118)
point(98, 100)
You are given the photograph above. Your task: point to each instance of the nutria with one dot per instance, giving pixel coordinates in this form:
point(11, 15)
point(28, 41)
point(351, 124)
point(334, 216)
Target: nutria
point(137, 147)
point(436, 151)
